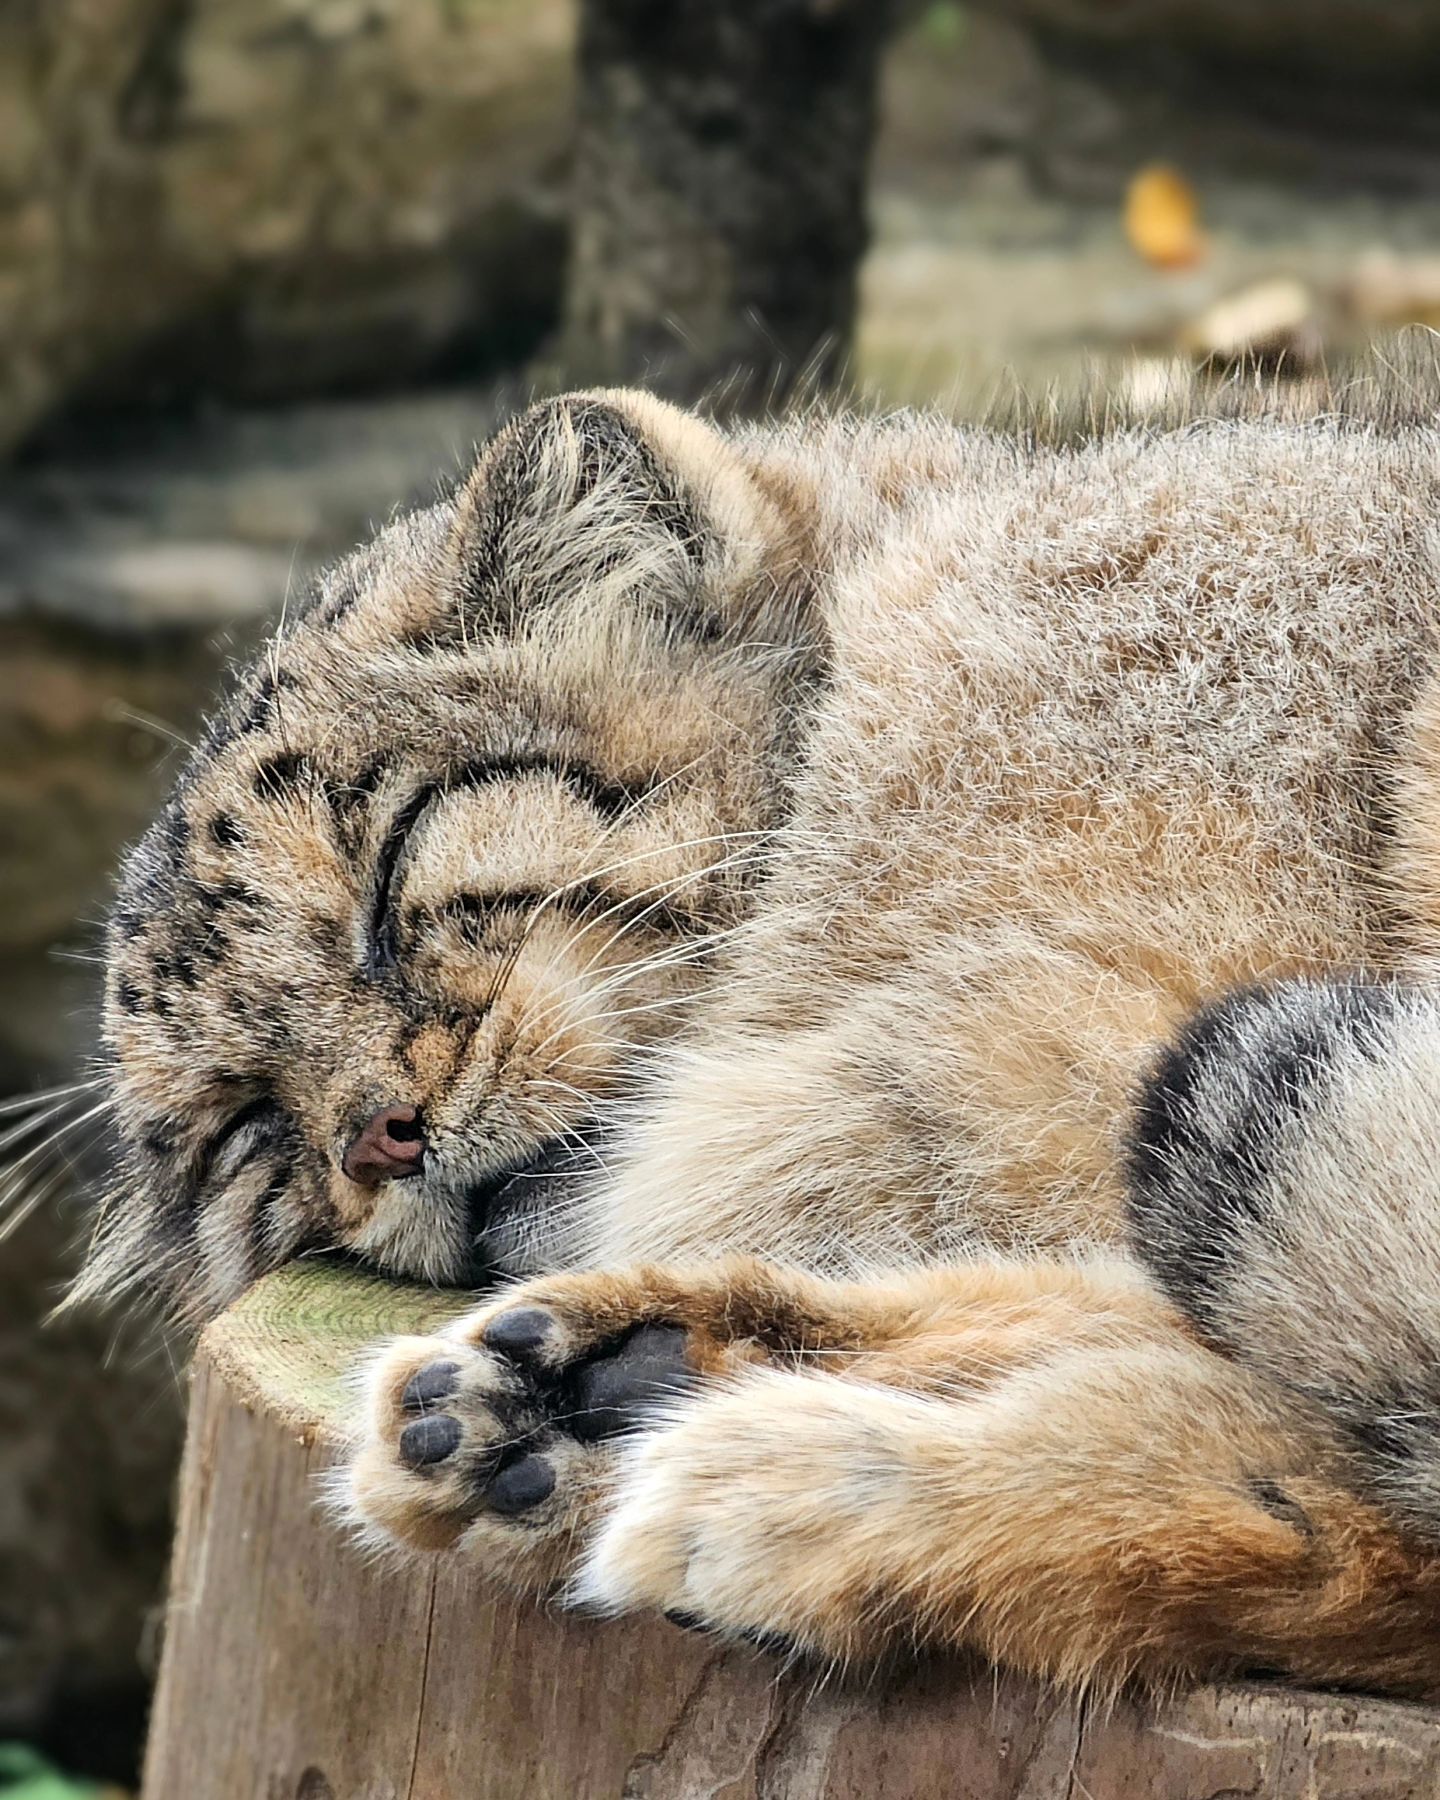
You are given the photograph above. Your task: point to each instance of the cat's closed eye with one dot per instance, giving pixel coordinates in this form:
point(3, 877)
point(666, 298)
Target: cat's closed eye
point(255, 1127)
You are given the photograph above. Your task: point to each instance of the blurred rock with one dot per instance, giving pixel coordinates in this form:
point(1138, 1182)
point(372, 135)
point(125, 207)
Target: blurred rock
point(1271, 323)
point(265, 198)
point(91, 1422)
point(90, 1436)
point(1388, 289)
point(1331, 98)
point(1392, 44)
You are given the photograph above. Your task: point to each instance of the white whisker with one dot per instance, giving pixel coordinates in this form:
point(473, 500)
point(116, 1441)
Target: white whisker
point(17, 1133)
point(542, 908)
point(675, 956)
point(42, 1096)
point(10, 1183)
point(22, 1204)
point(30, 1202)
point(665, 890)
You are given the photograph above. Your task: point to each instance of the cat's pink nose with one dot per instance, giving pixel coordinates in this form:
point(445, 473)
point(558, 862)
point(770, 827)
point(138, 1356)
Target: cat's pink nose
point(389, 1144)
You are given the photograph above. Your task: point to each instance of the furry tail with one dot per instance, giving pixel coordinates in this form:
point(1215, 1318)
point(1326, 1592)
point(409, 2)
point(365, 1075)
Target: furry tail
point(1284, 1164)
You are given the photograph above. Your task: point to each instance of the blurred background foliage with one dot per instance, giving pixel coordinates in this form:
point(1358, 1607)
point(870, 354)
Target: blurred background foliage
point(268, 268)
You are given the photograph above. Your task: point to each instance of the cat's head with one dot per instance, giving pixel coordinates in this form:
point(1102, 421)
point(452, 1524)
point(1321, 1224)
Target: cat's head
point(460, 847)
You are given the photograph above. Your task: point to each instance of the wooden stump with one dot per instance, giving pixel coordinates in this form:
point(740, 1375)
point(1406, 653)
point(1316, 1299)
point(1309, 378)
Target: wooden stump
point(295, 1670)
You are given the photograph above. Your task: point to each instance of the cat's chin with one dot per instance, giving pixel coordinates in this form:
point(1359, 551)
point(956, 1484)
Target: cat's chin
point(521, 1244)
point(522, 1220)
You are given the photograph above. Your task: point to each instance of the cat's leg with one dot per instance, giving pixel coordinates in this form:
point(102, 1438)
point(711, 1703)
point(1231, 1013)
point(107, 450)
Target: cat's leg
point(1097, 1515)
point(1036, 1461)
point(1284, 1177)
point(499, 1433)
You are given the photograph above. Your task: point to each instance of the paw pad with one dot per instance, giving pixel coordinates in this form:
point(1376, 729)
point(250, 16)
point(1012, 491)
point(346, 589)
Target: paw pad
point(520, 1333)
point(435, 1382)
point(506, 1421)
point(429, 1440)
point(614, 1392)
point(520, 1486)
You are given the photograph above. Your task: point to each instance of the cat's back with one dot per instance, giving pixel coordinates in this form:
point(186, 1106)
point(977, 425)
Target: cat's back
point(1146, 686)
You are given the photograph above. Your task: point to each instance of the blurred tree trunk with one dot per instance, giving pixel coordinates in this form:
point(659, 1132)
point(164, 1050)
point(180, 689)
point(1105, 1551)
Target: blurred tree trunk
point(719, 205)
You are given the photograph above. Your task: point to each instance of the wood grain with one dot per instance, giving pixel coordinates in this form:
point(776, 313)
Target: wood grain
point(295, 1670)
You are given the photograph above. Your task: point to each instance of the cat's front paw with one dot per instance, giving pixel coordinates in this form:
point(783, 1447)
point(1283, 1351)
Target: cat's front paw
point(498, 1435)
point(772, 1513)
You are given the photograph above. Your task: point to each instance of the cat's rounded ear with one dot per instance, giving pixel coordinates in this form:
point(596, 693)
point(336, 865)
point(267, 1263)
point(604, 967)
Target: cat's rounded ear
point(616, 502)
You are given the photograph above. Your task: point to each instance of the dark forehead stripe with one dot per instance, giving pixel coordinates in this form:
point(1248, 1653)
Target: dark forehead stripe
point(611, 799)
point(280, 774)
point(256, 711)
point(608, 798)
point(380, 944)
point(472, 913)
point(349, 799)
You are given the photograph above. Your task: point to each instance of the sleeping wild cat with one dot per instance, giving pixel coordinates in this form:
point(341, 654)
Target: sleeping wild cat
point(916, 947)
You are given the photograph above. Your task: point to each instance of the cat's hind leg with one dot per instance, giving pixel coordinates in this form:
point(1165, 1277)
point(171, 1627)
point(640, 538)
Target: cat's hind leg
point(1097, 1515)
point(1034, 1460)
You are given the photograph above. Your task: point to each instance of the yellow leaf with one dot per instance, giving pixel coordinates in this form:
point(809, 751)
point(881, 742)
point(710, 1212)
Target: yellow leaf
point(1162, 218)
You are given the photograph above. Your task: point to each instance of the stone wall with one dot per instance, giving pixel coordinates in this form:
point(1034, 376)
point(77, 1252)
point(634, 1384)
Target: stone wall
point(272, 197)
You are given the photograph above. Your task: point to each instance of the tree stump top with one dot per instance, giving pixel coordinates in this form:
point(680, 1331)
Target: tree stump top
point(296, 1668)
point(290, 1345)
